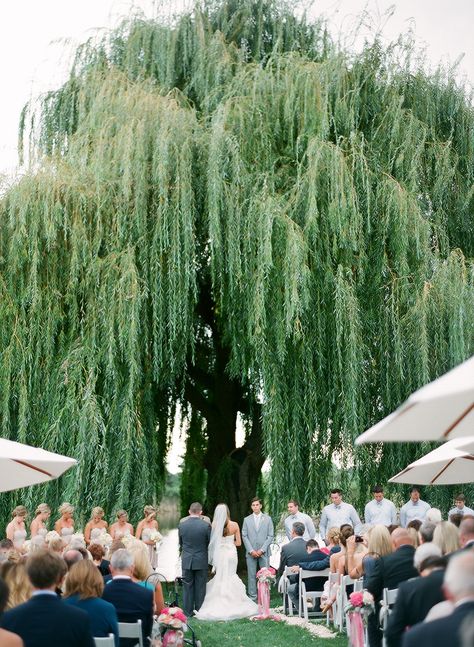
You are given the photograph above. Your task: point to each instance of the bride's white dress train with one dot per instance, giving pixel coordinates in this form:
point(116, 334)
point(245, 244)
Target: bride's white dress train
point(225, 593)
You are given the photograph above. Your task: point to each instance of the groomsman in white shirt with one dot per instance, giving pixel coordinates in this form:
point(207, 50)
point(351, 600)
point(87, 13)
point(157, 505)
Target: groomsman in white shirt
point(337, 513)
point(460, 507)
point(294, 516)
point(415, 508)
point(380, 510)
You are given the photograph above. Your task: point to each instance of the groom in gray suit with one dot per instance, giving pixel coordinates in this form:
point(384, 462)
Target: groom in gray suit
point(194, 534)
point(257, 534)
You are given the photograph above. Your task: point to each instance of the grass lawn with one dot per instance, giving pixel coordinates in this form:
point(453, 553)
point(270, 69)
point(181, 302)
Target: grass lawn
point(262, 633)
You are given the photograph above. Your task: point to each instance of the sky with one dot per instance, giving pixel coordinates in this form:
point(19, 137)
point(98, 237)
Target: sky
point(37, 38)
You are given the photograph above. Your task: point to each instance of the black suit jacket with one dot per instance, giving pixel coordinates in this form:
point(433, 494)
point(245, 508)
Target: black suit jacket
point(444, 632)
point(132, 602)
point(194, 535)
point(415, 598)
point(45, 621)
point(292, 554)
point(390, 571)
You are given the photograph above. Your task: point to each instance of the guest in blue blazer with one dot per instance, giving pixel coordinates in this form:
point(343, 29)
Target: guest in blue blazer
point(131, 601)
point(84, 588)
point(45, 621)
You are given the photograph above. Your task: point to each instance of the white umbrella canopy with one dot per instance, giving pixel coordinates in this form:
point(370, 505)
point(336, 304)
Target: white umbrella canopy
point(22, 465)
point(451, 463)
point(441, 410)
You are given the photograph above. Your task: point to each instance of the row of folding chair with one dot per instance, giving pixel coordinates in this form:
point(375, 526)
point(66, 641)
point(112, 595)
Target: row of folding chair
point(126, 630)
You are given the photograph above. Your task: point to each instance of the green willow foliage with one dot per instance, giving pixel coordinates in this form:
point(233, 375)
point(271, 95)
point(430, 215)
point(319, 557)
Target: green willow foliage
point(328, 196)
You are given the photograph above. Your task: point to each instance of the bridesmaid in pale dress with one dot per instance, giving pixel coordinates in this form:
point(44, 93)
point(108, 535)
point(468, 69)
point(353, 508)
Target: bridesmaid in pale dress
point(97, 523)
point(121, 527)
point(38, 528)
point(64, 526)
point(16, 529)
point(144, 529)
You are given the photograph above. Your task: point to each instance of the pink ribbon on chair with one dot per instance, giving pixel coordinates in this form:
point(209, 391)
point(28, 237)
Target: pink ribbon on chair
point(356, 636)
point(263, 599)
point(173, 638)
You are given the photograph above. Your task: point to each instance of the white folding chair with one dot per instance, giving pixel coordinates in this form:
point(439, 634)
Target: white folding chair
point(334, 579)
point(314, 595)
point(342, 601)
point(389, 597)
point(131, 630)
point(105, 642)
point(284, 588)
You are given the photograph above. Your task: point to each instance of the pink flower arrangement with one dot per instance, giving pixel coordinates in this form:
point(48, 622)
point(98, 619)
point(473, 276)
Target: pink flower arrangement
point(172, 617)
point(357, 599)
point(266, 574)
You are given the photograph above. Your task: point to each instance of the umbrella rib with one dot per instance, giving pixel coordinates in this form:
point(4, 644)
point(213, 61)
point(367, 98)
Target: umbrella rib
point(458, 420)
point(441, 471)
point(33, 467)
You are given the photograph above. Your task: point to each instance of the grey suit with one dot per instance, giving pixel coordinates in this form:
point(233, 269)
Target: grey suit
point(256, 540)
point(194, 534)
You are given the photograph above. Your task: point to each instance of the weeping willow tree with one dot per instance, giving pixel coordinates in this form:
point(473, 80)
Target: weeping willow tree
point(229, 216)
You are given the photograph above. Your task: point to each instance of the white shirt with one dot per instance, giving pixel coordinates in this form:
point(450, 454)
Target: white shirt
point(463, 511)
point(413, 510)
point(380, 512)
point(257, 519)
point(310, 530)
point(336, 515)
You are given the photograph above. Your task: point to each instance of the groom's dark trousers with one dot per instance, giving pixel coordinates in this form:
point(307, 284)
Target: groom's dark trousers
point(194, 534)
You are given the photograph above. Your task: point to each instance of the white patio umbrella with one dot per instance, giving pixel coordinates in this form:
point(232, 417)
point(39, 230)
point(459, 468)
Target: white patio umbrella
point(441, 410)
point(23, 465)
point(451, 463)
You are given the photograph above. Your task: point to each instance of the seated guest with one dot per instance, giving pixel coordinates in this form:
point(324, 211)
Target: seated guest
point(19, 585)
point(295, 550)
point(418, 595)
point(466, 533)
point(84, 588)
point(7, 639)
point(97, 553)
point(333, 538)
point(389, 572)
point(456, 519)
point(45, 621)
point(426, 532)
point(446, 536)
point(6, 545)
point(459, 588)
point(433, 515)
point(56, 546)
point(131, 601)
point(361, 563)
point(316, 560)
point(71, 557)
point(142, 570)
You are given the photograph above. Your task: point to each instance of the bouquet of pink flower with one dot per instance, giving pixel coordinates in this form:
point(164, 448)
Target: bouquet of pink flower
point(172, 617)
point(267, 574)
point(360, 602)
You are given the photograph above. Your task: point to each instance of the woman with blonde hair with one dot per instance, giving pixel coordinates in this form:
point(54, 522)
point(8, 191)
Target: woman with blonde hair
point(7, 638)
point(38, 526)
point(95, 525)
point(144, 530)
point(446, 536)
point(142, 570)
point(121, 527)
point(19, 585)
point(84, 588)
point(333, 538)
point(16, 529)
point(64, 526)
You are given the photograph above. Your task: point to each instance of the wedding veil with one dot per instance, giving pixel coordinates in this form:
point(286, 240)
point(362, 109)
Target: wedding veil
point(218, 523)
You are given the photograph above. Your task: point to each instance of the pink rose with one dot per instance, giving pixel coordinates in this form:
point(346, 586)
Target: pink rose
point(357, 599)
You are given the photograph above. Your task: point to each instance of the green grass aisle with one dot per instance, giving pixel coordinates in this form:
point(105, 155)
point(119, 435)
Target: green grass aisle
point(247, 633)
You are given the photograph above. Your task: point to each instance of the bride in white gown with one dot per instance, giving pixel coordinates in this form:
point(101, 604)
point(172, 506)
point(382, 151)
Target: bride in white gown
point(225, 592)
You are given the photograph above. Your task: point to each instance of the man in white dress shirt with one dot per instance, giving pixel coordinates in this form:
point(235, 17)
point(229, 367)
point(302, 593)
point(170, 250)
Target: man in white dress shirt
point(460, 507)
point(337, 513)
point(294, 516)
point(380, 510)
point(415, 508)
